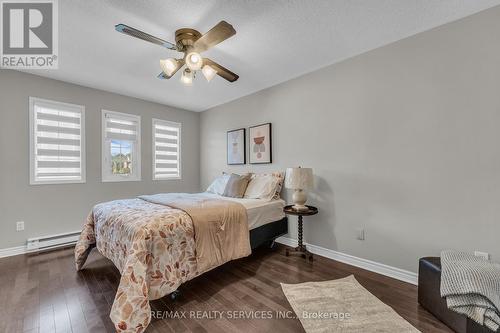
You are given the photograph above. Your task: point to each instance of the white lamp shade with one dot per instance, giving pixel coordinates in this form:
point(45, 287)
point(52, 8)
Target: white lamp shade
point(208, 72)
point(168, 66)
point(187, 77)
point(299, 178)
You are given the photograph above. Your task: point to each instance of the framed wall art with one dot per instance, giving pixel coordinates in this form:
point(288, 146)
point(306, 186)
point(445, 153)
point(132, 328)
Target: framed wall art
point(260, 144)
point(236, 150)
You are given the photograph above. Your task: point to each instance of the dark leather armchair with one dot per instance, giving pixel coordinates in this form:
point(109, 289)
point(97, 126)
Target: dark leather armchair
point(429, 297)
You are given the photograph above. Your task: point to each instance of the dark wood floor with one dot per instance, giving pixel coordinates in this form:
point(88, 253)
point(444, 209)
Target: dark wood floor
point(43, 293)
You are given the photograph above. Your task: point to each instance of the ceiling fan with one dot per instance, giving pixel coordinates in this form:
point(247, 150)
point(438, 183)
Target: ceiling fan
point(191, 43)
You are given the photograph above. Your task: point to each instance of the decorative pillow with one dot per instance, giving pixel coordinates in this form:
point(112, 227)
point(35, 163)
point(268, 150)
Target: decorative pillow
point(236, 185)
point(219, 184)
point(261, 186)
point(280, 175)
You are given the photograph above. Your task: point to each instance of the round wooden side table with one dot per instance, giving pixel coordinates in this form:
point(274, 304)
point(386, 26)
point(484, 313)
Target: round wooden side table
point(301, 248)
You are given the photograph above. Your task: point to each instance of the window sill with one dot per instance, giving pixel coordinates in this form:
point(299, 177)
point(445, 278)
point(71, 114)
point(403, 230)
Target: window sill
point(116, 180)
point(170, 178)
point(57, 182)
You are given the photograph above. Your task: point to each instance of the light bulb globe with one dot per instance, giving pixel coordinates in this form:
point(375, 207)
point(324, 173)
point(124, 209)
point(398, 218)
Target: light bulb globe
point(168, 66)
point(194, 61)
point(187, 77)
point(208, 72)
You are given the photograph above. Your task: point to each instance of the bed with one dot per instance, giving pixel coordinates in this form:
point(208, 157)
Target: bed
point(158, 242)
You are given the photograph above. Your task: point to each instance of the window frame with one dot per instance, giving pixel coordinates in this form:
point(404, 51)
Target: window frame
point(179, 148)
point(33, 148)
point(107, 177)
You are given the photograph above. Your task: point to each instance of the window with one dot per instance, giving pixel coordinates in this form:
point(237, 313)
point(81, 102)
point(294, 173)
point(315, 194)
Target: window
point(57, 142)
point(121, 147)
point(166, 150)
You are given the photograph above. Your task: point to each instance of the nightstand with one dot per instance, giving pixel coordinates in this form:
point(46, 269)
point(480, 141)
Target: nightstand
point(301, 248)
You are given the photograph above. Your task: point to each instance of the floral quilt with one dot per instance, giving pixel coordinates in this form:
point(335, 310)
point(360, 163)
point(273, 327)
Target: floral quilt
point(153, 247)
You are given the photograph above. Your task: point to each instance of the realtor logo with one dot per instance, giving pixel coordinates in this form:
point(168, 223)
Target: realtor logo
point(29, 34)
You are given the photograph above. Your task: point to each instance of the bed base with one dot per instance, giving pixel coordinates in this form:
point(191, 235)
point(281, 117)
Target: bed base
point(263, 235)
point(266, 234)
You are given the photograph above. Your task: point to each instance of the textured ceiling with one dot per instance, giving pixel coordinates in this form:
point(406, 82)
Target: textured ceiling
point(276, 40)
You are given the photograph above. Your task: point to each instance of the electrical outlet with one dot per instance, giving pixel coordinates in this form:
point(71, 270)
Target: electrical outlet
point(361, 234)
point(20, 226)
point(483, 255)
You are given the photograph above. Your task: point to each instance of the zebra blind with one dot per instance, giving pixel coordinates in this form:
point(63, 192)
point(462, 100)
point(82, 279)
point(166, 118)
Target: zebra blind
point(121, 160)
point(166, 149)
point(121, 126)
point(57, 142)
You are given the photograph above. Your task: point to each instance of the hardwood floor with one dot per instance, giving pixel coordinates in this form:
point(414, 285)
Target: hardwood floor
point(43, 293)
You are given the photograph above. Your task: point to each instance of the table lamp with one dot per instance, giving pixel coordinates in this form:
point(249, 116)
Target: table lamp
point(299, 179)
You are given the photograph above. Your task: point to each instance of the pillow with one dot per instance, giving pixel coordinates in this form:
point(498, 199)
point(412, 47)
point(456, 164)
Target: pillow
point(280, 175)
point(236, 185)
point(261, 186)
point(219, 184)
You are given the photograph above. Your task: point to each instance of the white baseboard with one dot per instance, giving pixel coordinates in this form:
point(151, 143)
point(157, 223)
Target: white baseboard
point(393, 272)
point(369, 265)
point(12, 251)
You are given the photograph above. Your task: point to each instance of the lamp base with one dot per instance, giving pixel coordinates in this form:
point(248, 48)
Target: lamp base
point(299, 199)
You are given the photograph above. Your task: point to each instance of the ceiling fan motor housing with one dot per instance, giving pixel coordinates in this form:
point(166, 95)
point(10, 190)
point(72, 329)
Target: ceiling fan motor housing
point(185, 38)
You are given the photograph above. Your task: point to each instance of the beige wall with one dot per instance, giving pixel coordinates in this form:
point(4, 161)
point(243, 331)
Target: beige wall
point(404, 141)
point(52, 209)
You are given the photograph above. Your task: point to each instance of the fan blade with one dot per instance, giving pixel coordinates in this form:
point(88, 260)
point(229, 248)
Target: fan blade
point(221, 71)
point(180, 63)
point(217, 34)
point(125, 29)
point(163, 76)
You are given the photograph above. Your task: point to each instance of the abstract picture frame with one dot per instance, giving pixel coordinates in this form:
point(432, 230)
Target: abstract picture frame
point(236, 147)
point(260, 144)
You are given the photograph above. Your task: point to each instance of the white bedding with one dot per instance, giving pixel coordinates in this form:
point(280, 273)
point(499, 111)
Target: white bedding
point(259, 211)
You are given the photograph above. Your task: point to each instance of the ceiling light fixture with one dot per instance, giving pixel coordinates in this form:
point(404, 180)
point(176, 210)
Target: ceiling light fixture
point(208, 72)
point(192, 44)
point(194, 61)
point(187, 77)
point(168, 66)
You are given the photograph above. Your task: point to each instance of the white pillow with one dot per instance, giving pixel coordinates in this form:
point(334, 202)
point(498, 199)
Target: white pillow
point(261, 187)
point(219, 184)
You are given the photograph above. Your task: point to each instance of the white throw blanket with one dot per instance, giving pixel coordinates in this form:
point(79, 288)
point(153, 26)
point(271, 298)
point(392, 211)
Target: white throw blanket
point(471, 286)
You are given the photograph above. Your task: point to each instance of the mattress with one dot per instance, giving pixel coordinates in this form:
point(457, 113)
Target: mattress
point(259, 211)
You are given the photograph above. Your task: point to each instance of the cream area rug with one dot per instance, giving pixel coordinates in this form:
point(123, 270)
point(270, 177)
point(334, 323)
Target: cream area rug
point(342, 306)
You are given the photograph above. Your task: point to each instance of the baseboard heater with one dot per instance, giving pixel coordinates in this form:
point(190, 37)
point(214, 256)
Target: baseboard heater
point(45, 243)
